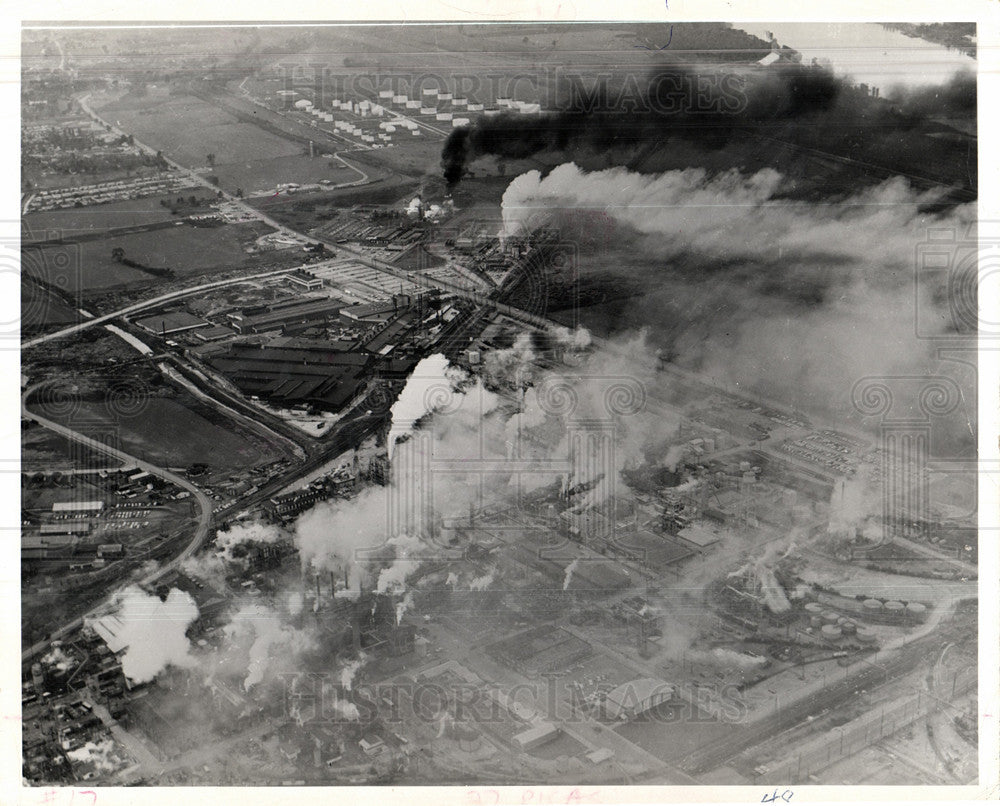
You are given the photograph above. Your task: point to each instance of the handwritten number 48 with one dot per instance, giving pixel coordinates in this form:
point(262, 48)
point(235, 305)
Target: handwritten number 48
point(771, 798)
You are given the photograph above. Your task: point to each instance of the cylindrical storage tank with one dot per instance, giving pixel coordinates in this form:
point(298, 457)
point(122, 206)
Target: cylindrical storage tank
point(415, 132)
point(459, 122)
point(445, 96)
point(830, 631)
point(460, 101)
point(866, 636)
point(428, 110)
point(385, 93)
point(848, 628)
point(475, 107)
point(430, 91)
point(491, 113)
point(872, 606)
point(390, 128)
point(412, 104)
point(815, 621)
point(829, 617)
point(895, 609)
point(399, 99)
point(443, 116)
point(814, 608)
point(916, 610)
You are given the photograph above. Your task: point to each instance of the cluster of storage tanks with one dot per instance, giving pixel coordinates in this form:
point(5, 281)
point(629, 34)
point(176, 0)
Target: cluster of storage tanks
point(445, 107)
point(834, 626)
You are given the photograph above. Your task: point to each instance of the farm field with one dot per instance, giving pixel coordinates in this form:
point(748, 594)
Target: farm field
point(150, 434)
point(94, 218)
point(188, 129)
point(257, 176)
point(185, 249)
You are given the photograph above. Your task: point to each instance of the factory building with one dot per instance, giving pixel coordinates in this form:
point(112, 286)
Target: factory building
point(293, 372)
point(535, 737)
point(636, 697)
point(304, 279)
point(273, 318)
point(77, 506)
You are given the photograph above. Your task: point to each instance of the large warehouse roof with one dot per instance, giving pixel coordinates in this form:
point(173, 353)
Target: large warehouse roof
point(637, 696)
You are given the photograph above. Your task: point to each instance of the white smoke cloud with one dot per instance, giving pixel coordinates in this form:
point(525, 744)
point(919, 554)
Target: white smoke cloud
point(805, 297)
point(513, 365)
point(268, 640)
point(569, 573)
point(392, 578)
point(855, 504)
point(675, 454)
point(403, 606)
point(577, 339)
point(350, 670)
point(431, 377)
point(727, 658)
point(56, 657)
point(101, 755)
point(239, 533)
point(483, 582)
point(154, 632)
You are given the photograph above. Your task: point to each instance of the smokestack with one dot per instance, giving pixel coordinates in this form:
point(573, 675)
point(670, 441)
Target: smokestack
point(317, 589)
point(333, 587)
point(356, 628)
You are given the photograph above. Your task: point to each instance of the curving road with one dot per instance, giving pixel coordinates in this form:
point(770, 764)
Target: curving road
point(200, 533)
point(149, 303)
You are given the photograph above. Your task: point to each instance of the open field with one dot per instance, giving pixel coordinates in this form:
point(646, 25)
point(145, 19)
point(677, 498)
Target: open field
point(185, 249)
point(40, 308)
point(255, 176)
point(95, 218)
point(188, 129)
point(151, 434)
point(41, 449)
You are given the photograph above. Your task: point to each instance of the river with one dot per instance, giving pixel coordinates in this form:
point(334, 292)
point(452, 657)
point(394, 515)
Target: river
point(867, 52)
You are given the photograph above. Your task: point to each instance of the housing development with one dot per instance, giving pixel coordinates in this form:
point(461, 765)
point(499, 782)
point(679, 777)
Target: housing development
point(499, 404)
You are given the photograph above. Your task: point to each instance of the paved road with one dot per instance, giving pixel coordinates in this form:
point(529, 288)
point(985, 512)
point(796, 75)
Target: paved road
point(203, 502)
point(146, 304)
point(334, 248)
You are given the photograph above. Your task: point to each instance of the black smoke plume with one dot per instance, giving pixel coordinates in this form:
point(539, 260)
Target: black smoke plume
point(673, 102)
point(749, 118)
